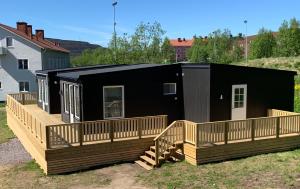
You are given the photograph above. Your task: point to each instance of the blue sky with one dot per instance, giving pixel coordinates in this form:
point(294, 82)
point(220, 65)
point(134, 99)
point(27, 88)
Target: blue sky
point(91, 20)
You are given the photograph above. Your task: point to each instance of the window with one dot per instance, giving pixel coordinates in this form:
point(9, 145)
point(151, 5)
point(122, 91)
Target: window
point(77, 101)
point(23, 86)
point(9, 42)
point(66, 97)
point(169, 88)
point(113, 101)
point(239, 94)
point(23, 64)
point(0, 85)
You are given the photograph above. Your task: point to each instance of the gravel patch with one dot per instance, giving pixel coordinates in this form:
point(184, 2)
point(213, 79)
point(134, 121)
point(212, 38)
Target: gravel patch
point(12, 152)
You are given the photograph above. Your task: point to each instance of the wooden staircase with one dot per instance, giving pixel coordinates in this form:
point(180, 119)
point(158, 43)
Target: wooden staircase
point(168, 146)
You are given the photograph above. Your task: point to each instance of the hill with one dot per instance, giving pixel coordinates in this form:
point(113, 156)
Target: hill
point(282, 63)
point(75, 47)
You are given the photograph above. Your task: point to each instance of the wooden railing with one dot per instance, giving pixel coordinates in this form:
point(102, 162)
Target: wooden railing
point(30, 122)
point(249, 129)
point(173, 133)
point(275, 112)
point(25, 98)
point(64, 135)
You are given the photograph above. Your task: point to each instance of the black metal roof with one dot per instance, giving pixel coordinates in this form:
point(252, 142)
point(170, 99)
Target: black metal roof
point(77, 68)
point(76, 74)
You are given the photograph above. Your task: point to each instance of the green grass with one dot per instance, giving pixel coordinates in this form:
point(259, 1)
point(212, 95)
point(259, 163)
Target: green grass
point(2, 105)
point(277, 170)
point(5, 132)
point(29, 175)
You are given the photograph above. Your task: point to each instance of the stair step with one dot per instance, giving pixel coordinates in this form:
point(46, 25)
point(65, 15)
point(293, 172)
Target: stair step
point(151, 153)
point(149, 160)
point(152, 148)
point(144, 165)
point(172, 148)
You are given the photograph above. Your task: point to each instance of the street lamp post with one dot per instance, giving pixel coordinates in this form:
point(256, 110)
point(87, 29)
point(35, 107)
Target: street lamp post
point(246, 42)
point(114, 4)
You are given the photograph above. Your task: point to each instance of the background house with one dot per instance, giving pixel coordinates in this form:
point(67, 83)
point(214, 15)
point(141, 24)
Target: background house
point(181, 46)
point(22, 53)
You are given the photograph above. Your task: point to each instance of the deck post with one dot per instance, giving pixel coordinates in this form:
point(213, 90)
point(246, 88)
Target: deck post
point(111, 131)
point(183, 131)
point(252, 129)
point(196, 135)
point(166, 121)
point(140, 128)
point(226, 133)
point(23, 98)
point(156, 153)
point(277, 127)
point(47, 137)
point(80, 134)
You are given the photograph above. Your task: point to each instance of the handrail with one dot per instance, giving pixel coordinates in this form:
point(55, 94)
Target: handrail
point(173, 133)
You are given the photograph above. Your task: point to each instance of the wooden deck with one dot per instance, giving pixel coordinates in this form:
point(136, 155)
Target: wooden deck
point(62, 147)
point(46, 118)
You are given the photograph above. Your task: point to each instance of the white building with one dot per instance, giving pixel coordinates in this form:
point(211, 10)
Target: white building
point(22, 53)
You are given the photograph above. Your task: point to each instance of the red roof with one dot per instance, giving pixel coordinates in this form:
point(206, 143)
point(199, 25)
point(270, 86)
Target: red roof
point(43, 43)
point(181, 42)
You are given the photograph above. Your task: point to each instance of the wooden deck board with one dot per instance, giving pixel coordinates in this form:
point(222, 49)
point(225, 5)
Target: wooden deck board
point(44, 117)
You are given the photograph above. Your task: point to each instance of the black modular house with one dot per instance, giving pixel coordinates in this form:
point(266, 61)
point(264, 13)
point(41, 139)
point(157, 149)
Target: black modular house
point(195, 92)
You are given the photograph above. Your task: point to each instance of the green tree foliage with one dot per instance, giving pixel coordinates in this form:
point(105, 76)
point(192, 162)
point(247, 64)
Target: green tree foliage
point(219, 47)
point(168, 52)
point(288, 39)
point(199, 51)
point(144, 46)
point(263, 46)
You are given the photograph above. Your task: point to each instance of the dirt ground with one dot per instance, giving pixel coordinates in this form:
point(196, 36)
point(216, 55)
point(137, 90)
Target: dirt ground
point(121, 176)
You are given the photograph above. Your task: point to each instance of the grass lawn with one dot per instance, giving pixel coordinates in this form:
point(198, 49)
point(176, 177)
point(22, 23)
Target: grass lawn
point(5, 132)
point(29, 175)
point(277, 170)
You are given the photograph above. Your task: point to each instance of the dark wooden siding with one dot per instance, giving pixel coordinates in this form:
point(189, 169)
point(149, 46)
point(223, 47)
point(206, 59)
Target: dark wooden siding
point(196, 91)
point(143, 92)
point(265, 89)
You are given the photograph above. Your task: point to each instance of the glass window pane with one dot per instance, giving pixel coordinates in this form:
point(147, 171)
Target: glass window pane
point(21, 86)
point(236, 91)
point(241, 90)
point(236, 98)
point(241, 97)
point(169, 88)
point(236, 104)
point(9, 41)
point(26, 86)
point(241, 104)
point(20, 62)
point(113, 102)
point(25, 64)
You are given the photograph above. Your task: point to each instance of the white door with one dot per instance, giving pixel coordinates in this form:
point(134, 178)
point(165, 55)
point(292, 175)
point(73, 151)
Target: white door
point(239, 102)
point(71, 102)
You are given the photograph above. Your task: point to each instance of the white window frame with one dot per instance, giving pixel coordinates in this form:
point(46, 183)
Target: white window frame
point(24, 85)
point(123, 101)
point(76, 112)
point(40, 89)
point(66, 86)
point(170, 84)
point(23, 64)
point(12, 41)
point(46, 90)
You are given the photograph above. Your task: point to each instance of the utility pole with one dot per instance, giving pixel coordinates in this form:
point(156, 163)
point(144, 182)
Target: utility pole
point(114, 4)
point(246, 42)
